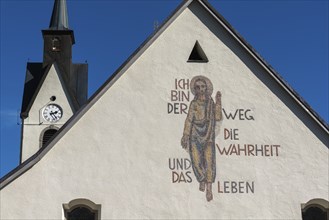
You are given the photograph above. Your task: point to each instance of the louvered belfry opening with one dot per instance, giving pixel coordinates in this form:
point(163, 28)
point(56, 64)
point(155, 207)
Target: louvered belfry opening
point(56, 44)
point(47, 135)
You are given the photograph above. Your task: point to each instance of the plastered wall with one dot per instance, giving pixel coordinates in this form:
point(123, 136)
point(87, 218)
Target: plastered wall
point(118, 154)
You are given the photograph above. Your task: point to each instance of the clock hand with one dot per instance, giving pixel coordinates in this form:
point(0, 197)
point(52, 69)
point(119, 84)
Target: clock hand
point(52, 115)
point(55, 114)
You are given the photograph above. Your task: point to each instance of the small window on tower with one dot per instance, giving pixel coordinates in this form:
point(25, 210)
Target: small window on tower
point(46, 135)
point(56, 44)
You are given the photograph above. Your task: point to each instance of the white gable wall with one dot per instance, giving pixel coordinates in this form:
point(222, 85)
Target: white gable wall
point(34, 124)
point(117, 154)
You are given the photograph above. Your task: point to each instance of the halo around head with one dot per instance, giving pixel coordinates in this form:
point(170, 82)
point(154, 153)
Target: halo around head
point(208, 83)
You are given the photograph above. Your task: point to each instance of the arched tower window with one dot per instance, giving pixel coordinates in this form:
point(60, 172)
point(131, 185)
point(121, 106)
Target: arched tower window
point(82, 209)
point(47, 134)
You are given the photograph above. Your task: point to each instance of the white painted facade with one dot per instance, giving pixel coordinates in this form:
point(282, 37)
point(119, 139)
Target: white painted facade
point(34, 125)
point(117, 152)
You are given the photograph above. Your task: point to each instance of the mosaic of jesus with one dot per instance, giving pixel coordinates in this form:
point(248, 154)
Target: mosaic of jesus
point(199, 132)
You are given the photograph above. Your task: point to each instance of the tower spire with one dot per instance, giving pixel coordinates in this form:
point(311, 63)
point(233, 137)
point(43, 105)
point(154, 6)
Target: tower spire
point(59, 18)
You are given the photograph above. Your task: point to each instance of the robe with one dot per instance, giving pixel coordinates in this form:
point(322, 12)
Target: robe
point(200, 127)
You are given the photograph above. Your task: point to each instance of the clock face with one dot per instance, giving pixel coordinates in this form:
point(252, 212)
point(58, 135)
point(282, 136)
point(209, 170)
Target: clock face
point(52, 113)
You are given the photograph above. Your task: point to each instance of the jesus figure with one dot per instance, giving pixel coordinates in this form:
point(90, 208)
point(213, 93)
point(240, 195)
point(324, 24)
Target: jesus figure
point(199, 132)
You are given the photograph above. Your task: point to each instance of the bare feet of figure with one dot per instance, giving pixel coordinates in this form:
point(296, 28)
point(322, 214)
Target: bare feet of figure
point(209, 192)
point(202, 186)
point(209, 196)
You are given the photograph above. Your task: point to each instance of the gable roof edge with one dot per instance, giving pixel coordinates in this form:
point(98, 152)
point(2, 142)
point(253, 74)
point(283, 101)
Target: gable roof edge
point(278, 78)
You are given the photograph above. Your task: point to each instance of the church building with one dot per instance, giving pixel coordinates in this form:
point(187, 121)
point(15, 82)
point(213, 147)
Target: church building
point(194, 125)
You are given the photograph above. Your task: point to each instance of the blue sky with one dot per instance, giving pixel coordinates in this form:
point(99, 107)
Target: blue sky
point(291, 35)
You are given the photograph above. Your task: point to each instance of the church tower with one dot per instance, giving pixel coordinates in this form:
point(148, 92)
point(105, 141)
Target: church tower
point(54, 89)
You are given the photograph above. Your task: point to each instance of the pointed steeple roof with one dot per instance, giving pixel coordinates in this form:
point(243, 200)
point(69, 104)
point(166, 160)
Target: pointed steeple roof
point(59, 18)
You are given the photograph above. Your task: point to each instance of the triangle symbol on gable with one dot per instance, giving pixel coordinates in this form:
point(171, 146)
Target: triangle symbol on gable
point(197, 54)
